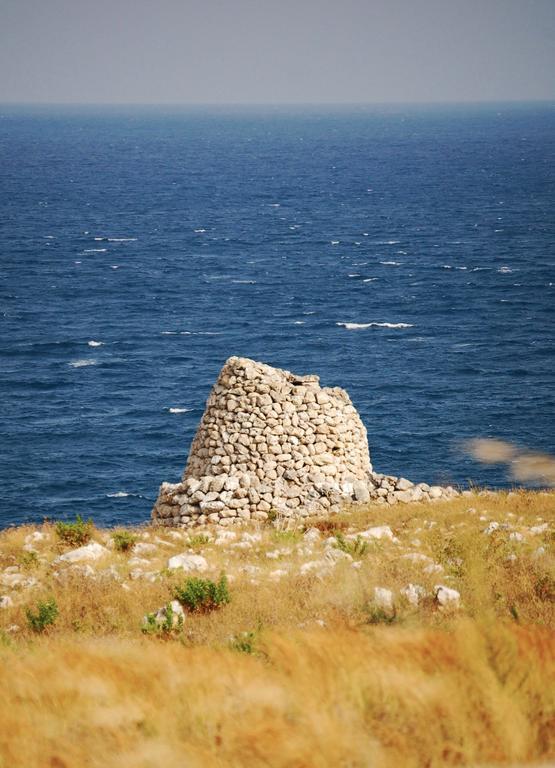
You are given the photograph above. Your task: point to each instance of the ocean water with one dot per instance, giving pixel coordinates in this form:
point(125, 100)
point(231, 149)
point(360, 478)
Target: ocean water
point(406, 254)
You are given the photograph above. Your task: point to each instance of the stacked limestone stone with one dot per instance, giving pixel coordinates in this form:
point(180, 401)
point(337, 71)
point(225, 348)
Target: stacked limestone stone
point(273, 442)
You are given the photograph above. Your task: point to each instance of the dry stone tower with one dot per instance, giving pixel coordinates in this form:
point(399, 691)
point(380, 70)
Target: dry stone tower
point(269, 441)
point(273, 442)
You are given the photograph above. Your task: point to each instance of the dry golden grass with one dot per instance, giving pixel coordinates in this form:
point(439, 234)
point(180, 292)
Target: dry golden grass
point(330, 680)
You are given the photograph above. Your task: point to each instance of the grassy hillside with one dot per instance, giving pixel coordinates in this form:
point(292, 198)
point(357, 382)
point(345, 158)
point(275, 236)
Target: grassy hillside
point(417, 635)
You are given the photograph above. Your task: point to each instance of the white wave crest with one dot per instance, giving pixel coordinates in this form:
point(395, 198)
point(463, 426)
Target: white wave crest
point(361, 326)
point(179, 410)
point(81, 363)
point(391, 263)
point(103, 238)
point(93, 343)
point(118, 495)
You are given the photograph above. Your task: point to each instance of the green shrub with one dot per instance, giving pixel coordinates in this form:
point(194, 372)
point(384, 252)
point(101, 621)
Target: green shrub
point(29, 559)
point(123, 540)
point(377, 615)
point(203, 595)
point(154, 624)
point(198, 541)
point(355, 547)
point(245, 642)
point(76, 534)
point(45, 615)
point(286, 537)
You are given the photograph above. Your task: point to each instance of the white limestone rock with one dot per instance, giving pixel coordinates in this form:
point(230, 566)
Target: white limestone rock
point(92, 551)
point(383, 598)
point(189, 563)
point(447, 597)
point(413, 593)
point(378, 532)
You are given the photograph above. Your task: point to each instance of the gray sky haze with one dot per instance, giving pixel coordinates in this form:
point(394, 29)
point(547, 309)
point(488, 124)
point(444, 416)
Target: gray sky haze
point(262, 51)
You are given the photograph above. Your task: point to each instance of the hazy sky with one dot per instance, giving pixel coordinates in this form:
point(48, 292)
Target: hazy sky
point(271, 51)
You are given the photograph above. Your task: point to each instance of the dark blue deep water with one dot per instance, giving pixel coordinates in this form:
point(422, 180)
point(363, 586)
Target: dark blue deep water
point(179, 238)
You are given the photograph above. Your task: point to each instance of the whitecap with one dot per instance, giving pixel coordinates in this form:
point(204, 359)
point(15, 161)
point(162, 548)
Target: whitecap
point(77, 262)
point(118, 495)
point(354, 275)
point(370, 279)
point(115, 266)
point(49, 237)
point(179, 410)
point(298, 322)
point(199, 231)
point(361, 326)
point(168, 333)
point(93, 343)
point(95, 250)
point(274, 205)
point(244, 282)
point(505, 270)
point(334, 242)
point(81, 363)
point(391, 263)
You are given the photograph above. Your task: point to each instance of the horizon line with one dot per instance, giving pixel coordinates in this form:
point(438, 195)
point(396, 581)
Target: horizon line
point(270, 104)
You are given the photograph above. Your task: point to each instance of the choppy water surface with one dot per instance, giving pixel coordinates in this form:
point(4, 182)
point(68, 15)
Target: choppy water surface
point(405, 254)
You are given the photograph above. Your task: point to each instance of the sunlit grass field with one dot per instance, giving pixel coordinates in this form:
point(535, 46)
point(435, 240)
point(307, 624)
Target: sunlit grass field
point(335, 649)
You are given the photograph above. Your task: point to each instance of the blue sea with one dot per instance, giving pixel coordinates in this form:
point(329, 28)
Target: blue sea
point(404, 253)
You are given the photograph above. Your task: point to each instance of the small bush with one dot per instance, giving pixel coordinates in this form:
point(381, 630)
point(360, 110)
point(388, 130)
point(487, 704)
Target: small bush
point(286, 537)
point(328, 526)
point(153, 624)
point(244, 643)
point(355, 547)
point(203, 595)
point(29, 559)
point(76, 534)
point(377, 615)
point(45, 615)
point(198, 541)
point(123, 540)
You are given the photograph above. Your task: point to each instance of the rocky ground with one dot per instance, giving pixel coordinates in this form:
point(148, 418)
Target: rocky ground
point(449, 576)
